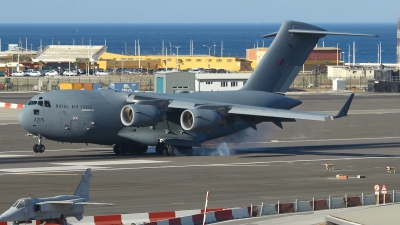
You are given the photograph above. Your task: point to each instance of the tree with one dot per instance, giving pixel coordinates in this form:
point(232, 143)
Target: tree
point(87, 61)
point(77, 61)
point(40, 65)
point(180, 61)
point(6, 63)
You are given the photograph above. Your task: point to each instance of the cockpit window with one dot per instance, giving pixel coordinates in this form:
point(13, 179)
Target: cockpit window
point(40, 103)
point(32, 102)
point(22, 203)
point(47, 104)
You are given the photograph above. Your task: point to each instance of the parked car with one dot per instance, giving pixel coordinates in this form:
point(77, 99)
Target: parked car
point(52, 73)
point(101, 73)
point(18, 74)
point(69, 73)
point(34, 73)
point(2, 73)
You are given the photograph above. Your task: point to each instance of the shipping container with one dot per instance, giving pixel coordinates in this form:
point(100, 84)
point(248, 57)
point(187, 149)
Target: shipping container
point(76, 86)
point(127, 86)
point(65, 86)
point(87, 86)
point(97, 86)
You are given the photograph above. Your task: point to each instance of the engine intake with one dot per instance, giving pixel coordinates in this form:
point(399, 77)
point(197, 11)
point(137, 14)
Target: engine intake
point(200, 120)
point(135, 115)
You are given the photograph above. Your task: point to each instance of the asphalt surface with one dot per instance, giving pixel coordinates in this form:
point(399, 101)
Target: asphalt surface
point(250, 167)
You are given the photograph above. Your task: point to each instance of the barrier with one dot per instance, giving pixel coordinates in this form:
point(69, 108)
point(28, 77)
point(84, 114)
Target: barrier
point(353, 201)
point(303, 206)
point(320, 204)
point(269, 209)
point(11, 105)
point(285, 208)
point(337, 203)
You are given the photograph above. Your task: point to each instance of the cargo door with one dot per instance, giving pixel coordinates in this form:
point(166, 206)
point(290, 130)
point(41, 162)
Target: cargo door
point(74, 127)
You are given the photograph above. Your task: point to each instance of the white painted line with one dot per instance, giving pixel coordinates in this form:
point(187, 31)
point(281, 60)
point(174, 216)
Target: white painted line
point(11, 156)
point(115, 162)
point(48, 169)
point(341, 139)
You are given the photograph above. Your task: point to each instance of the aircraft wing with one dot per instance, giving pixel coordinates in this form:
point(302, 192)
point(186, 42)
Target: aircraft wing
point(183, 103)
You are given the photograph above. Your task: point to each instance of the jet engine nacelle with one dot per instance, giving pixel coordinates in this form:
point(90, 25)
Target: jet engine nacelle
point(136, 115)
point(200, 120)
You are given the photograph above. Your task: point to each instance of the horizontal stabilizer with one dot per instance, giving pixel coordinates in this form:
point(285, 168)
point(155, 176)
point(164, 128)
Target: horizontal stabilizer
point(319, 32)
point(298, 31)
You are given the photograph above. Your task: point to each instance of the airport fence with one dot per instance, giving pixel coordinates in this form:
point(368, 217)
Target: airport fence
point(307, 81)
point(14, 84)
point(302, 81)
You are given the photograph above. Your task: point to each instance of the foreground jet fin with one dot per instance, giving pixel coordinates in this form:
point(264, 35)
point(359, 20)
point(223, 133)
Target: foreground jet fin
point(343, 111)
point(83, 188)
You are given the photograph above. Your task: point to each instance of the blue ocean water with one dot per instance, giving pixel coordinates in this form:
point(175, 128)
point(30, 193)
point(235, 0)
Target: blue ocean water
point(236, 37)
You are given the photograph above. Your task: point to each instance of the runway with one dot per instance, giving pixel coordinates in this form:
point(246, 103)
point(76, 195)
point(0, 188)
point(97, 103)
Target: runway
point(267, 165)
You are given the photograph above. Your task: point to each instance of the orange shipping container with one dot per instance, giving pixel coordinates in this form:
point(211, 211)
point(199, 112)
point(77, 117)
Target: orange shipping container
point(87, 86)
point(65, 86)
point(76, 86)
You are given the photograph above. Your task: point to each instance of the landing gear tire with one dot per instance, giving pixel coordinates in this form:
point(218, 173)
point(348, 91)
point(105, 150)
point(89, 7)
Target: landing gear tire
point(39, 148)
point(117, 149)
point(35, 148)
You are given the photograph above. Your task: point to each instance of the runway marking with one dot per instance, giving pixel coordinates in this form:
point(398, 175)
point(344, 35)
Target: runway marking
point(77, 166)
point(114, 162)
point(339, 139)
point(11, 156)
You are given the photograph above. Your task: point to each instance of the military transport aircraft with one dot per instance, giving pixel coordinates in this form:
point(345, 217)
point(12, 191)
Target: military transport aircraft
point(175, 123)
point(52, 208)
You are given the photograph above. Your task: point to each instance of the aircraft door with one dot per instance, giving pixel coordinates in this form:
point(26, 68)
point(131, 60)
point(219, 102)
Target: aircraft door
point(74, 127)
point(160, 84)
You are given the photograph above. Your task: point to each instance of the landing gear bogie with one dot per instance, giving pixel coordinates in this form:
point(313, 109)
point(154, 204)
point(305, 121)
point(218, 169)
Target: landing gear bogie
point(38, 148)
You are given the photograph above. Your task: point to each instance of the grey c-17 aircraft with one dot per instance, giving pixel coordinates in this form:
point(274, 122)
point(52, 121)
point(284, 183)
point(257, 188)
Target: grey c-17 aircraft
point(175, 123)
point(52, 208)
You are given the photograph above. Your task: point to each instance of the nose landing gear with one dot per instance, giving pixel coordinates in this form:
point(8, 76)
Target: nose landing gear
point(38, 148)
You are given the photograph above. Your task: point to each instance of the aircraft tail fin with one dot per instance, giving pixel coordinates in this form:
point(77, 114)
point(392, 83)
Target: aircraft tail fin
point(286, 55)
point(83, 188)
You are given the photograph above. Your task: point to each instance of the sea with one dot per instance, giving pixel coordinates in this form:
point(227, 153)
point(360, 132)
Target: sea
point(234, 38)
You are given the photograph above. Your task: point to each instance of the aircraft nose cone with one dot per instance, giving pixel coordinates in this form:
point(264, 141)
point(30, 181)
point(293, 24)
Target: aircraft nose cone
point(4, 217)
point(23, 118)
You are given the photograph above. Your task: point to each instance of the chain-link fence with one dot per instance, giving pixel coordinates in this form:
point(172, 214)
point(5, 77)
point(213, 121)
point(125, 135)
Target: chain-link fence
point(310, 81)
point(51, 83)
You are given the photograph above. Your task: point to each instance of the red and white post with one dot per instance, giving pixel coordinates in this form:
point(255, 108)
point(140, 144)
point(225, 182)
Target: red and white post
point(205, 210)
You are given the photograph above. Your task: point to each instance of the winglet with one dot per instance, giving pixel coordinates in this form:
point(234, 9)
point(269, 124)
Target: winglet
point(343, 111)
point(83, 188)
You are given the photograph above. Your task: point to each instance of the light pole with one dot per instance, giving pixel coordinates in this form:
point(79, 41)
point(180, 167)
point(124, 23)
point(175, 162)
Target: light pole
point(177, 63)
point(170, 48)
point(343, 59)
point(69, 61)
point(162, 46)
point(209, 49)
point(349, 54)
point(337, 54)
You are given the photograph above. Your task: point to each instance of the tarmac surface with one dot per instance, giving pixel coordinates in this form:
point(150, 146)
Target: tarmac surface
point(250, 167)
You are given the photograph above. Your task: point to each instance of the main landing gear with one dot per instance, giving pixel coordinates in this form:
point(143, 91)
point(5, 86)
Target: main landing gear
point(38, 148)
point(129, 149)
point(171, 150)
